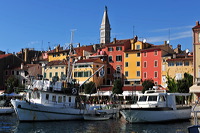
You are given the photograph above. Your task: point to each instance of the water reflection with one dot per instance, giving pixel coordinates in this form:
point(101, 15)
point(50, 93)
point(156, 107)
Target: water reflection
point(10, 124)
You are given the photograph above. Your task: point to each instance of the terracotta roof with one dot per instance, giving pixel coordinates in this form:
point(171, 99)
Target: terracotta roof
point(180, 59)
point(57, 62)
point(97, 60)
point(4, 55)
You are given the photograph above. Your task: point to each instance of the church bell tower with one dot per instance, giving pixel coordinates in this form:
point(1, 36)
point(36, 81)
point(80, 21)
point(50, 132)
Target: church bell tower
point(105, 29)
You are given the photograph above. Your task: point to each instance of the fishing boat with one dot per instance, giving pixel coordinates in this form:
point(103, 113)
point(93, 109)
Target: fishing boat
point(50, 102)
point(158, 106)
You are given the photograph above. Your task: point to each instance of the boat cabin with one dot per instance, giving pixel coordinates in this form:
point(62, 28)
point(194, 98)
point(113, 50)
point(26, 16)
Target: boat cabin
point(49, 98)
point(160, 98)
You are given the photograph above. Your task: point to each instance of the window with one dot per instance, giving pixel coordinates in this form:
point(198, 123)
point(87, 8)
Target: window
point(138, 54)
point(145, 64)
point(155, 74)
point(56, 73)
point(138, 73)
point(126, 55)
point(126, 64)
point(138, 63)
point(199, 37)
point(186, 63)
point(53, 98)
point(45, 75)
point(110, 58)
point(152, 98)
point(56, 67)
point(110, 49)
point(47, 96)
point(155, 52)
point(118, 58)
point(137, 47)
point(145, 54)
point(143, 98)
point(118, 69)
point(155, 63)
point(119, 48)
point(126, 73)
point(64, 98)
point(108, 70)
point(179, 63)
point(50, 74)
point(171, 64)
point(178, 76)
point(70, 99)
point(161, 98)
point(59, 99)
point(62, 73)
point(145, 75)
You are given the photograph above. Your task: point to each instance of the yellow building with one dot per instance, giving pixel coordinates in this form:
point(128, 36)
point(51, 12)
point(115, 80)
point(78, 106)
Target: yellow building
point(77, 53)
point(55, 68)
point(176, 67)
point(132, 62)
point(83, 69)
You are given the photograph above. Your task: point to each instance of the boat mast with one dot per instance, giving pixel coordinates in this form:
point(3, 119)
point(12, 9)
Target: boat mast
point(69, 68)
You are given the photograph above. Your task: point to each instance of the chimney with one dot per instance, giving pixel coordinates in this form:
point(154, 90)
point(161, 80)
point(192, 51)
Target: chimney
point(114, 41)
point(78, 45)
point(197, 23)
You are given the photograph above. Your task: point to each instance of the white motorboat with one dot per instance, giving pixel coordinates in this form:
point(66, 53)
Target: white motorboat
point(157, 106)
point(50, 102)
point(6, 110)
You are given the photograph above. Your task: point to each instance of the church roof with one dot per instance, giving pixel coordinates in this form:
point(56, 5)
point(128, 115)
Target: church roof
point(105, 20)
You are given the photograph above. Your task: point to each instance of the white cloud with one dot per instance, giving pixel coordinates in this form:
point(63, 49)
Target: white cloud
point(173, 28)
point(175, 36)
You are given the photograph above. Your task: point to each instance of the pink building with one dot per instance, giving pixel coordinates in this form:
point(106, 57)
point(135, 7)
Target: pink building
point(152, 62)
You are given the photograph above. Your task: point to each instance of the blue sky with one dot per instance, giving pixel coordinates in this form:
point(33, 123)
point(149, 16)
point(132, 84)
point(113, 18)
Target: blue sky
point(39, 24)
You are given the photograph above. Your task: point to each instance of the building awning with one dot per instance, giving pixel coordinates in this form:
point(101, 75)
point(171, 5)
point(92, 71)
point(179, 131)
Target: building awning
point(132, 80)
point(195, 89)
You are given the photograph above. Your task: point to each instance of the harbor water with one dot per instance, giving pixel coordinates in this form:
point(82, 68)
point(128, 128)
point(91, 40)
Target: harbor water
point(10, 124)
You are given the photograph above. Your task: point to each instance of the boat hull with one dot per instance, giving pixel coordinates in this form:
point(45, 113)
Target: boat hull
point(27, 111)
point(96, 118)
point(142, 115)
point(6, 110)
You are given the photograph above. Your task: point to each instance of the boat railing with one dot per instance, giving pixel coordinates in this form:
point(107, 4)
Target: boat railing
point(195, 112)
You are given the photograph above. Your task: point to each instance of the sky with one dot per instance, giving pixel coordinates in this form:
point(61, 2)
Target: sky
point(41, 24)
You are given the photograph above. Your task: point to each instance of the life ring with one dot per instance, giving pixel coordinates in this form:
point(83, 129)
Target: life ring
point(74, 91)
point(35, 89)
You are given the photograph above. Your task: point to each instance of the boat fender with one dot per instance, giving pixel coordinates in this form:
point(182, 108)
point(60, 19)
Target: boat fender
point(19, 106)
point(74, 91)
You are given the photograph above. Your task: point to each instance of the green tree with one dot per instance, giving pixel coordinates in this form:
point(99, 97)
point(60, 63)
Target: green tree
point(55, 78)
point(171, 84)
point(11, 82)
point(148, 83)
point(117, 88)
point(89, 88)
point(185, 83)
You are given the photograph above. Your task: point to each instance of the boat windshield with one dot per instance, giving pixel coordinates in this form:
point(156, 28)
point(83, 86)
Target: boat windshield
point(152, 98)
point(142, 98)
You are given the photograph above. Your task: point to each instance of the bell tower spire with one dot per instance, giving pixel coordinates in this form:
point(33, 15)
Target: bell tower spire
point(105, 28)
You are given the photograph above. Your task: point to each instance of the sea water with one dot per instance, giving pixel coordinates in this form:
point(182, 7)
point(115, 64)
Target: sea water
point(10, 124)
